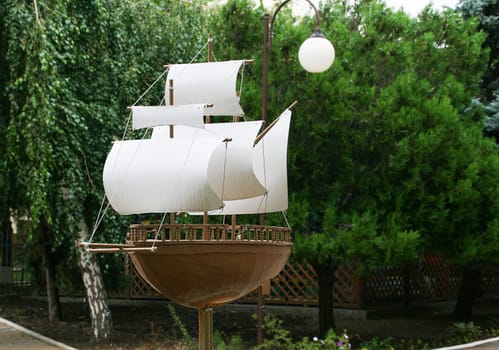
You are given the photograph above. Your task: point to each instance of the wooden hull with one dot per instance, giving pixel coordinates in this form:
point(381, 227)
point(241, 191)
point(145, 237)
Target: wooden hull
point(203, 274)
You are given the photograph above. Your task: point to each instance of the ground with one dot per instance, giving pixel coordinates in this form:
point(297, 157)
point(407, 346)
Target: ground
point(150, 325)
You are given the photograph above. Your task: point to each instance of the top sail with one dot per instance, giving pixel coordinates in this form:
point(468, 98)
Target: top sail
point(207, 83)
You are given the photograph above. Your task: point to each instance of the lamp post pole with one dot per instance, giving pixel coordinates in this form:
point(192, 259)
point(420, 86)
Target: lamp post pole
point(268, 26)
point(316, 55)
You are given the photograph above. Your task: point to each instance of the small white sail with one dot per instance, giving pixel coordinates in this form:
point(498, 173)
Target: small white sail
point(161, 175)
point(230, 170)
point(270, 164)
point(208, 83)
point(149, 116)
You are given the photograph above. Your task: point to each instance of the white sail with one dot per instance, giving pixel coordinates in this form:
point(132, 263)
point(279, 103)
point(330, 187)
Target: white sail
point(230, 170)
point(196, 170)
point(160, 175)
point(208, 83)
point(270, 164)
point(149, 116)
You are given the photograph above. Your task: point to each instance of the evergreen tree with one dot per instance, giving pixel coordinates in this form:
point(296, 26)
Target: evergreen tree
point(380, 142)
point(487, 12)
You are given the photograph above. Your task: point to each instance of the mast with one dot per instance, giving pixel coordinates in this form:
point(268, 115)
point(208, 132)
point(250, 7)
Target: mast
point(205, 315)
point(171, 102)
point(208, 120)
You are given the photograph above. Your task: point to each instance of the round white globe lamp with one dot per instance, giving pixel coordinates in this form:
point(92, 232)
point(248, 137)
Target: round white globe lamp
point(316, 54)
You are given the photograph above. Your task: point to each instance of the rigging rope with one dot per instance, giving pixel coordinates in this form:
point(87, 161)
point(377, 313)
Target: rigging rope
point(216, 60)
point(99, 218)
point(264, 170)
point(199, 52)
point(225, 169)
point(150, 87)
point(126, 125)
point(285, 218)
point(138, 100)
point(153, 247)
point(241, 83)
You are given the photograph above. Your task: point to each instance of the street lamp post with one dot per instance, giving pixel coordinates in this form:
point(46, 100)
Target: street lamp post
point(316, 55)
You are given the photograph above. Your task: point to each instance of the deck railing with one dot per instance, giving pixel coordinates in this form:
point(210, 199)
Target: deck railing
point(208, 232)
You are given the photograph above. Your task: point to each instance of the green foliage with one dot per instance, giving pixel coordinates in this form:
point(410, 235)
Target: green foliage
point(494, 323)
point(234, 28)
point(361, 241)
point(378, 344)
point(71, 70)
point(382, 139)
point(279, 338)
point(275, 335)
point(467, 332)
point(386, 159)
point(237, 29)
point(180, 325)
point(233, 342)
point(464, 330)
point(485, 11)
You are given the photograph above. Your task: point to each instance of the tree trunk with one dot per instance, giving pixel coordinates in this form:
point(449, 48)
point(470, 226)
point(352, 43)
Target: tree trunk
point(5, 241)
point(5, 248)
point(470, 287)
point(54, 304)
point(100, 313)
point(407, 284)
point(327, 279)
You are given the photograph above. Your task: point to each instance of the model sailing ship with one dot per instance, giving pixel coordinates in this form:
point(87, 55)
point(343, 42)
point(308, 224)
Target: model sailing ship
point(204, 169)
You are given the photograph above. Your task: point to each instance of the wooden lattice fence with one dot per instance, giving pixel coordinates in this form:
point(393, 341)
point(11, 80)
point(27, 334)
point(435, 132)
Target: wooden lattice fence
point(490, 280)
point(297, 284)
point(429, 279)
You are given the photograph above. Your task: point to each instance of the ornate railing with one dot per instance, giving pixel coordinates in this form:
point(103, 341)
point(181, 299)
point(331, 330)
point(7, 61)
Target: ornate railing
point(208, 232)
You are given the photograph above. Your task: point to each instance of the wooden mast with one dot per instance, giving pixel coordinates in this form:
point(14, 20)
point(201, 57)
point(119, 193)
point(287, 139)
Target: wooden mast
point(208, 120)
point(171, 101)
point(205, 315)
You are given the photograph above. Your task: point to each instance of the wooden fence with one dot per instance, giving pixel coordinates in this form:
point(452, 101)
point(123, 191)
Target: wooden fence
point(429, 279)
point(297, 284)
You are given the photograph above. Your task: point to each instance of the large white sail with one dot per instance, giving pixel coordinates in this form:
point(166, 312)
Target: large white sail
point(161, 175)
point(270, 164)
point(150, 116)
point(209, 83)
point(230, 170)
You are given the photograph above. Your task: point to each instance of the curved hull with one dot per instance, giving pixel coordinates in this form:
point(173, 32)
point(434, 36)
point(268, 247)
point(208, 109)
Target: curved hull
point(203, 274)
